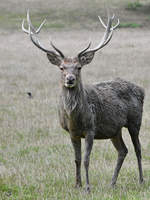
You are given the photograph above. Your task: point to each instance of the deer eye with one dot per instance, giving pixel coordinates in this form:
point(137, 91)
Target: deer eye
point(79, 68)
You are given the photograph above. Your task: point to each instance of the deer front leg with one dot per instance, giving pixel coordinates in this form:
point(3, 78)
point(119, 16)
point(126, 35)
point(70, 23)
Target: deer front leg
point(76, 142)
point(88, 147)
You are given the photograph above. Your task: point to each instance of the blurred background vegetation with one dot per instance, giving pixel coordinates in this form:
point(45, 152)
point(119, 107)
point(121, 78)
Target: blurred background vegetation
point(74, 14)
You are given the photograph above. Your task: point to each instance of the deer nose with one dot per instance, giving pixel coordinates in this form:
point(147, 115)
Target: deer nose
point(70, 78)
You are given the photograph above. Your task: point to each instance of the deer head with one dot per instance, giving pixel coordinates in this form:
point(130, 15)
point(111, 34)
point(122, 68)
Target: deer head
point(70, 67)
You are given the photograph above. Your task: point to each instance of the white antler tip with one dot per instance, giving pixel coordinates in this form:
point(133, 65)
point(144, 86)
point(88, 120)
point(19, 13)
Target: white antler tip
point(113, 16)
point(23, 22)
point(99, 17)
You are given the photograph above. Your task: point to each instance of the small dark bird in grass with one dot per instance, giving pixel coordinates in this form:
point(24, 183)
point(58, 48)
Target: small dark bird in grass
point(29, 94)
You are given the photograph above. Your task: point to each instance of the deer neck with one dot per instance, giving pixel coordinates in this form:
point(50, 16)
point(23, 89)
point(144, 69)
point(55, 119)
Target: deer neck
point(73, 98)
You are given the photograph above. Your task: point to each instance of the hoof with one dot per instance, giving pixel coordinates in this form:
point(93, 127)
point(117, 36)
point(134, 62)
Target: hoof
point(141, 181)
point(113, 185)
point(87, 189)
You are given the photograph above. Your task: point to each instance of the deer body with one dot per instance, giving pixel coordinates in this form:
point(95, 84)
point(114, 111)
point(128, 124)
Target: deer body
point(104, 108)
point(98, 111)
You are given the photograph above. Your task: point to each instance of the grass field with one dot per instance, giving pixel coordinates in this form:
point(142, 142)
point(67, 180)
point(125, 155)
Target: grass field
point(36, 155)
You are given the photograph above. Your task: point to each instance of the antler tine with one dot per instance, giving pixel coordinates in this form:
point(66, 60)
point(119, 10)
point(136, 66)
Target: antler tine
point(34, 31)
point(29, 22)
point(86, 48)
point(23, 28)
point(39, 29)
point(113, 16)
point(108, 33)
point(100, 19)
point(36, 42)
point(114, 27)
point(106, 38)
point(31, 25)
point(62, 55)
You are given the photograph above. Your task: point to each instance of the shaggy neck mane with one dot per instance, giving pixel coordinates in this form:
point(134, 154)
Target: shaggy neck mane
point(72, 97)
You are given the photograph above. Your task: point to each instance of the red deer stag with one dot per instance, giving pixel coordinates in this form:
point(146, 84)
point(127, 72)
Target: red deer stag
point(97, 111)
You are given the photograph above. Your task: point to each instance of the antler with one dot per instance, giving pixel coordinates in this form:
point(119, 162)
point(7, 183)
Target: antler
point(32, 33)
point(107, 35)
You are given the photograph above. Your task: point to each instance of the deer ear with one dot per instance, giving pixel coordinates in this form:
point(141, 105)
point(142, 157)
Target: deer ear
point(86, 58)
point(54, 58)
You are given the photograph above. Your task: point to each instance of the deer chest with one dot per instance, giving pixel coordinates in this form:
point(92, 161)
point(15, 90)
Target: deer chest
point(75, 121)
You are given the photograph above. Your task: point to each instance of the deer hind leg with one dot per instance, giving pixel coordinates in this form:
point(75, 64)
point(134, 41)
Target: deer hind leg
point(122, 152)
point(77, 149)
point(134, 133)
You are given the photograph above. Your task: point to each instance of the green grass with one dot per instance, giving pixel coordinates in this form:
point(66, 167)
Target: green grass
point(129, 25)
point(133, 5)
point(12, 191)
point(55, 188)
point(13, 21)
point(64, 18)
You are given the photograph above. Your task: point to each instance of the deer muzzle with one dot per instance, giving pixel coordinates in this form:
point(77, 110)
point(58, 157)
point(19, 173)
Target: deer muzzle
point(70, 81)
